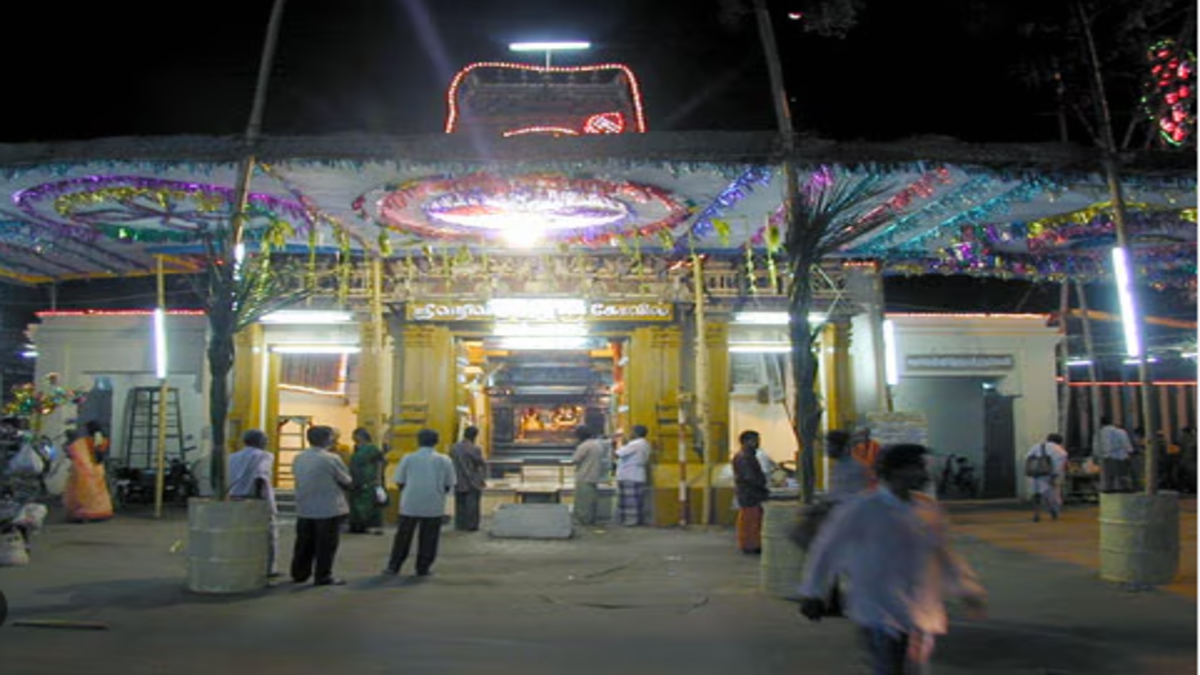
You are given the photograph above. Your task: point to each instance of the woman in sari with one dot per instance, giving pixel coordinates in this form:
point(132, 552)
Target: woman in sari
point(86, 497)
point(366, 468)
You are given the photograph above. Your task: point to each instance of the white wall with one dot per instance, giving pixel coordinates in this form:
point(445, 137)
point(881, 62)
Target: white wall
point(119, 346)
point(1025, 337)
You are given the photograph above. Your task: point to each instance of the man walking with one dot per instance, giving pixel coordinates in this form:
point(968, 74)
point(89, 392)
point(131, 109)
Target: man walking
point(1047, 490)
point(892, 544)
point(250, 472)
point(591, 467)
point(470, 471)
point(632, 461)
point(321, 483)
point(1114, 449)
point(424, 477)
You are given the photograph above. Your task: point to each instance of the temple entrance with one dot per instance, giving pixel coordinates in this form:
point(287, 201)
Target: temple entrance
point(531, 398)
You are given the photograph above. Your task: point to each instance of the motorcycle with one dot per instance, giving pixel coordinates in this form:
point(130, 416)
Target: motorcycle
point(958, 478)
point(133, 485)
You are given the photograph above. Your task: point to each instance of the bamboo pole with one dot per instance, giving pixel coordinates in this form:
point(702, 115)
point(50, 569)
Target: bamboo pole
point(1089, 346)
point(683, 459)
point(702, 431)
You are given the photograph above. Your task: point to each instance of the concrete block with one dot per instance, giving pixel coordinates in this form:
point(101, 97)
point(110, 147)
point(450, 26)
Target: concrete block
point(532, 521)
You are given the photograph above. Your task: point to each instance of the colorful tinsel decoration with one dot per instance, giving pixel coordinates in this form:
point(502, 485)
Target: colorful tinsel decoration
point(29, 402)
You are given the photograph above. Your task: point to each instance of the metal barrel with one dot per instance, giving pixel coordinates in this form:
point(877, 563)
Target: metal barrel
point(782, 560)
point(228, 543)
point(1139, 537)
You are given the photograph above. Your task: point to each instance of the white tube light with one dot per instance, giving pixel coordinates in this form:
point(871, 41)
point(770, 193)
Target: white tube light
point(315, 349)
point(773, 318)
point(759, 348)
point(307, 317)
point(1135, 361)
point(160, 343)
point(541, 343)
point(539, 330)
point(548, 46)
point(1079, 362)
point(1133, 346)
point(891, 372)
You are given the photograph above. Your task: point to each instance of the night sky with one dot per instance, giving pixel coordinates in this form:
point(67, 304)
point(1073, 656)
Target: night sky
point(382, 66)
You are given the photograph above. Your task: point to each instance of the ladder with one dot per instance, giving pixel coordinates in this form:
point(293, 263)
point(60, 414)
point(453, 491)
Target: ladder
point(293, 438)
point(141, 428)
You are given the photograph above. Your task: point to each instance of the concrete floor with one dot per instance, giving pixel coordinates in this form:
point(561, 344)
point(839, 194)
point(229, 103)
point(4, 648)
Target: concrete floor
point(610, 600)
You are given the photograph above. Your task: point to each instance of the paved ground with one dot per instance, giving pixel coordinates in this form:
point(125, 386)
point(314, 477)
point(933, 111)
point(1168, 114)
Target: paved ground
point(611, 600)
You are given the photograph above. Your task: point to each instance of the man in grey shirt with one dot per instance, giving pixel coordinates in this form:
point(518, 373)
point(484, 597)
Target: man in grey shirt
point(591, 460)
point(471, 470)
point(424, 477)
point(321, 483)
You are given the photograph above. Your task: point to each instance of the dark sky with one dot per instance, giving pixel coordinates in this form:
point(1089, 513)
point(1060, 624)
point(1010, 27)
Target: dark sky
point(382, 66)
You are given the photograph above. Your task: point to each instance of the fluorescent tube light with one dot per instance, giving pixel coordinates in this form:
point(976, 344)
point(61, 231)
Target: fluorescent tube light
point(759, 348)
point(160, 343)
point(315, 349)
point(890, 369)
point(1133, 345)
point(307, 317)
point(548, 46)
point(773, 318)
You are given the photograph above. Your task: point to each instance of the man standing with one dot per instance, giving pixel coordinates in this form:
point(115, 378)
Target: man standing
point(750, 488)
point(866, 451)
point(632, 461)
point(250, 471)
point(1114, 450)
point(1047, 490)
point(892, 543)
point(470, 470)
point(591, 467)
point(321, 483)
point(424, 477)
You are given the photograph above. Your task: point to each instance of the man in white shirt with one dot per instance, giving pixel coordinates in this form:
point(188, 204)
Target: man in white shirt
point(632, 461)
point(1114, 450)
point(424, 477)
point(1047, 490)
point(250, 471)
point(892, 544)
point(322, 480)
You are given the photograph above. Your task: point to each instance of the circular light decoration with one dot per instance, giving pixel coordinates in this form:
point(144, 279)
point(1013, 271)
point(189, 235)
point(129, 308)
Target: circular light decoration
point(136, 208)
point(523, 209)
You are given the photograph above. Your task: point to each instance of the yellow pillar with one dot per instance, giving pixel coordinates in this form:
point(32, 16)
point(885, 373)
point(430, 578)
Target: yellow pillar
point(652, 384)
point(374, 377)
point(836, 378)
point(427, 387)
point(249, 397)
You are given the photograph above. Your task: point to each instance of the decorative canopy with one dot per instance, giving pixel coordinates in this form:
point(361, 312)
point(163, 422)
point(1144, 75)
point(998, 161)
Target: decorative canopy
point(1039, 212)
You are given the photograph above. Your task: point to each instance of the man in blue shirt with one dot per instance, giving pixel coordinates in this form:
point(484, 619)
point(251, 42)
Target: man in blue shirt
point(424, 477)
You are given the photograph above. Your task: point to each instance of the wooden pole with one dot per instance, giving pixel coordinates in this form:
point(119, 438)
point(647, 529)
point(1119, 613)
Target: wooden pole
point(702, 387)
point(1090, 348)
point(161, 454)
point(683, 461)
